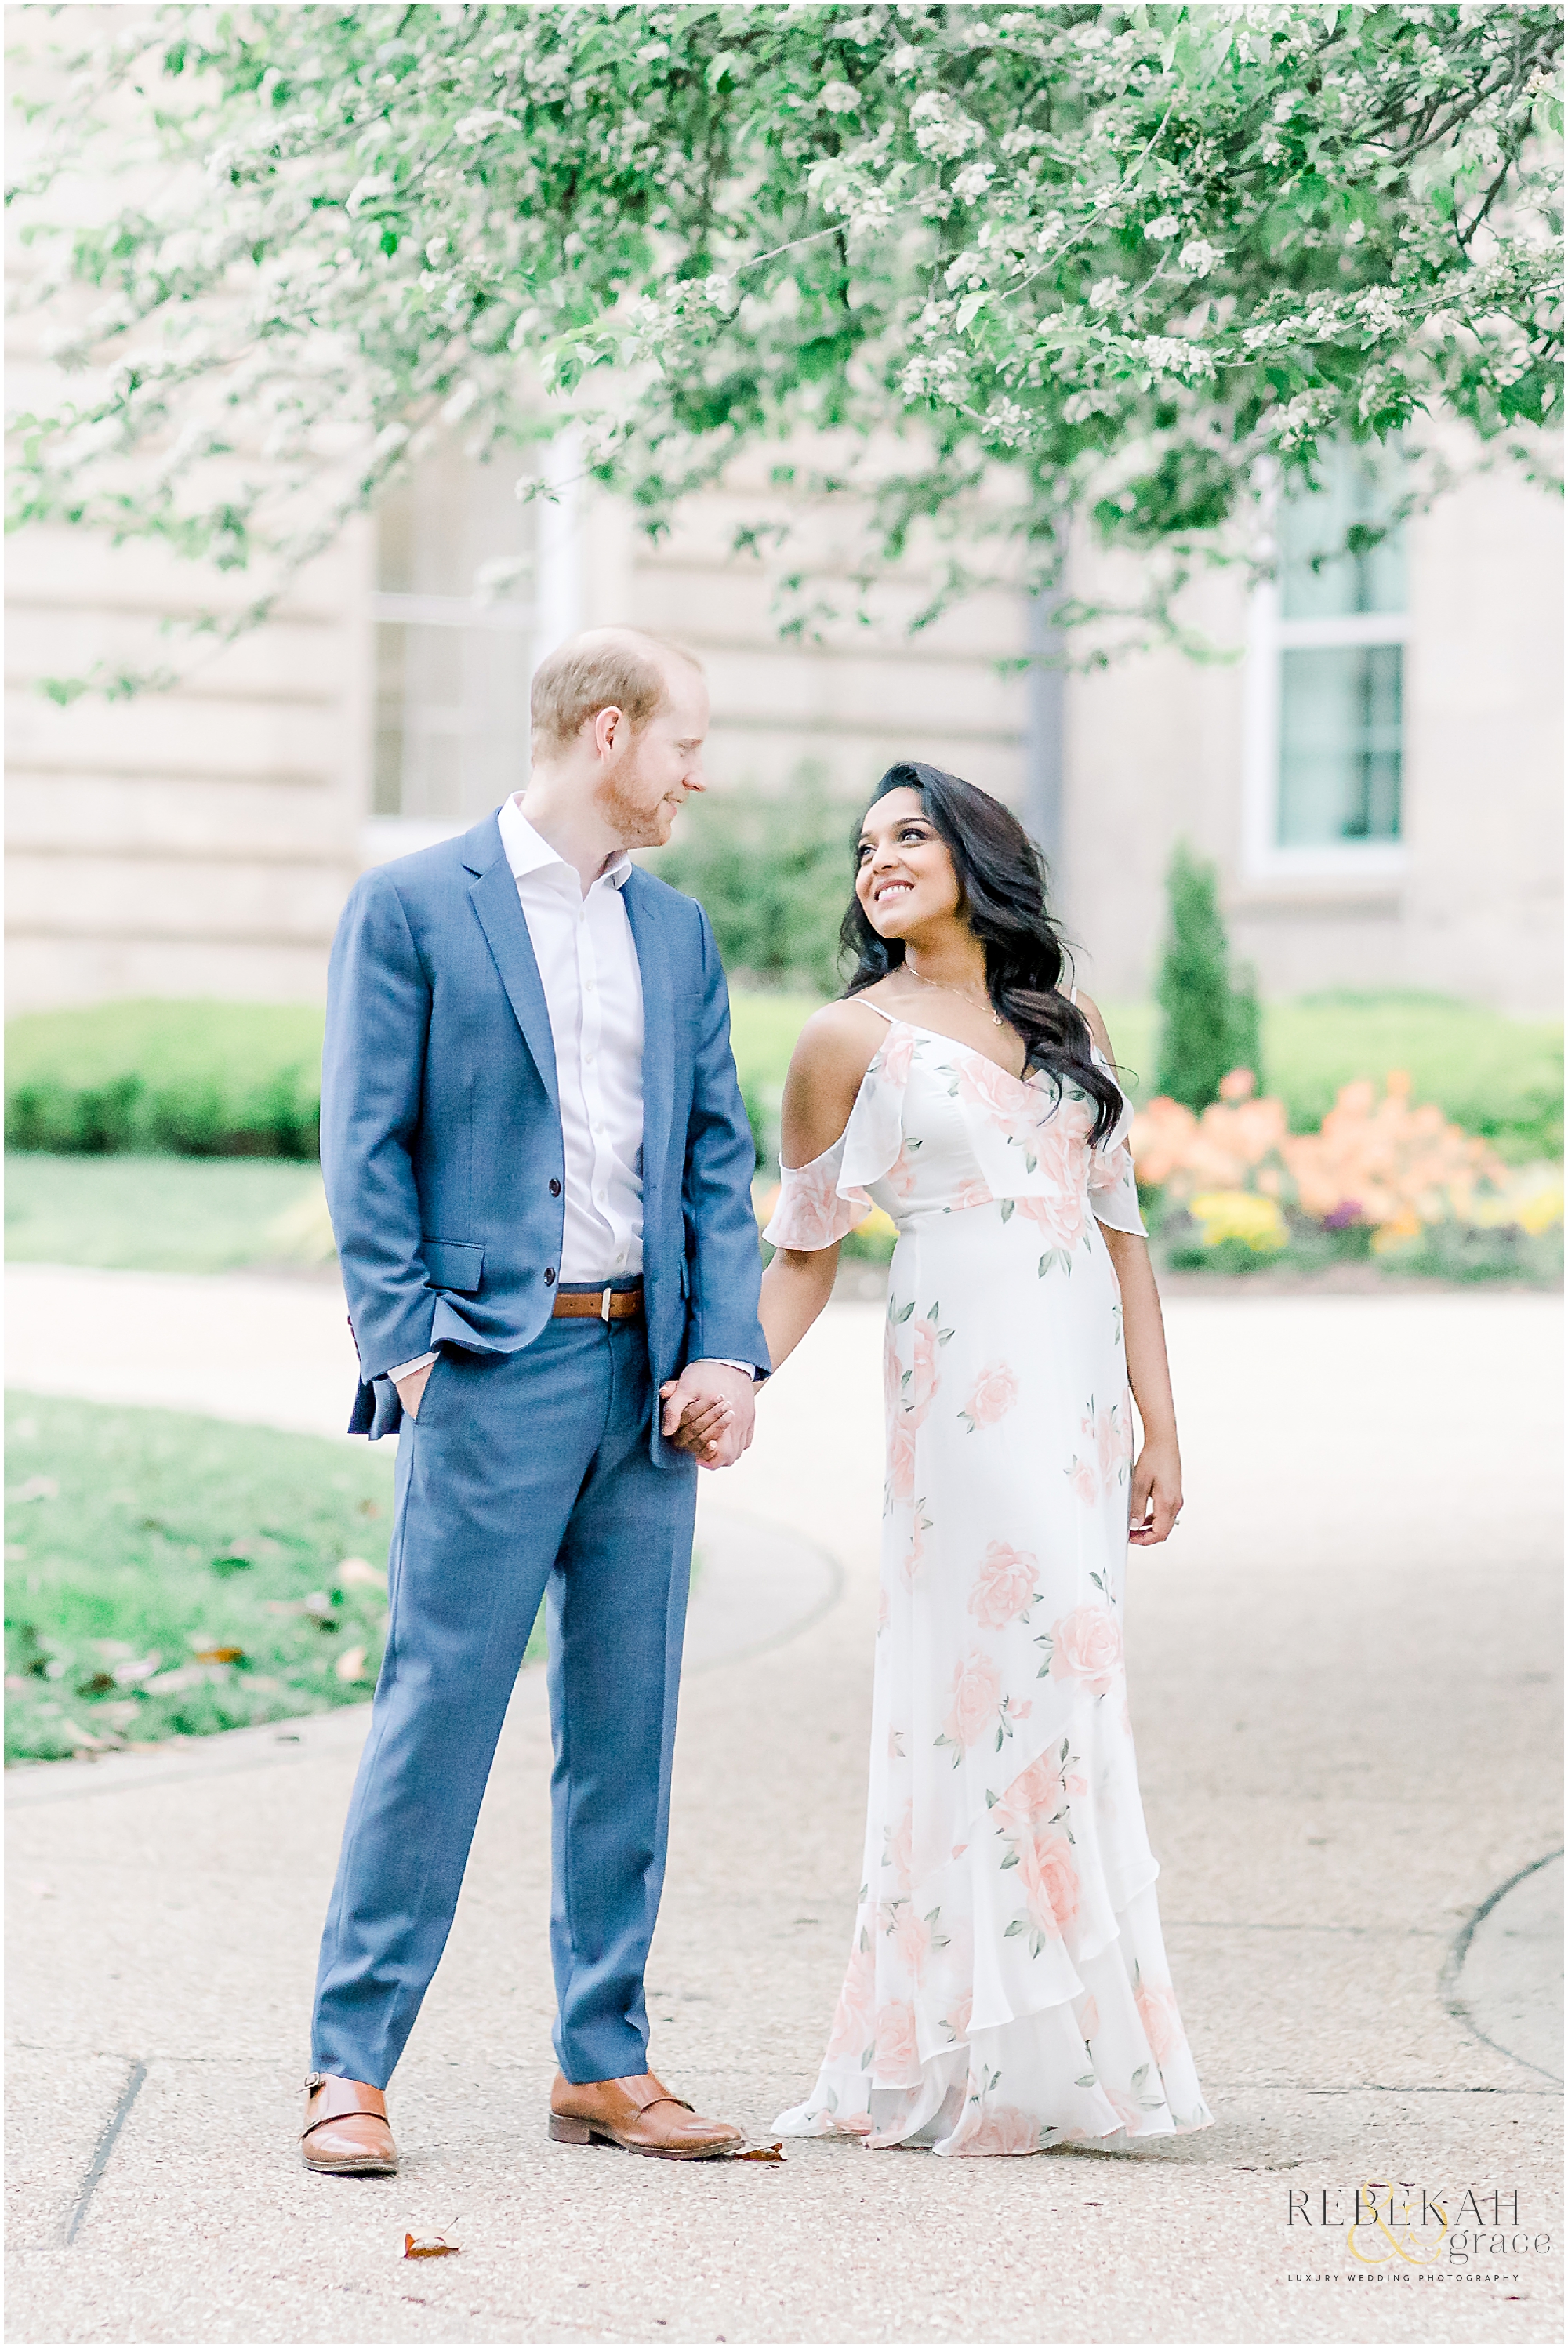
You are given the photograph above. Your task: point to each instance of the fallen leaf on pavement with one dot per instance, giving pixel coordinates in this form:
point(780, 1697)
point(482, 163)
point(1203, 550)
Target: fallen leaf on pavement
point(218, 1655)
point(137, 1667)
point(762, 2152)
point(429, 2246)
point(350, 1665)
point(358, 1574)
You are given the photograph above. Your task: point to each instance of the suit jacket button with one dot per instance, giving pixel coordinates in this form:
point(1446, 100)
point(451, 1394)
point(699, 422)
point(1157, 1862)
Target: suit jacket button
point(555, 1187)
point(549, 1278)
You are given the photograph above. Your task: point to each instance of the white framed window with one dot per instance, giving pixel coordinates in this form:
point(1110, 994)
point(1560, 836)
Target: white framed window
point(472, 588)
point(1324, 782)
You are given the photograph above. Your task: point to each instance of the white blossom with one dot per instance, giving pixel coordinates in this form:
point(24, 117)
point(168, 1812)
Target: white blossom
point(364, 191)
point(1006, 422)
point(841, 98)
point(1163, 229)
point(1198, 257)
point(941, 130)
point(972, 182)
point(1106, 292)
point(475, 126)
point(1377, 310)
point(1170, 354)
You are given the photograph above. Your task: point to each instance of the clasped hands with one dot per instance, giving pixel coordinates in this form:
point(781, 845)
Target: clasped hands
point(710, 1410)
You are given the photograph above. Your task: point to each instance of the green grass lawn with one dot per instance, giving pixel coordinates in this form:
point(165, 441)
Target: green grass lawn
point(157, 1214)
point(140, 1543)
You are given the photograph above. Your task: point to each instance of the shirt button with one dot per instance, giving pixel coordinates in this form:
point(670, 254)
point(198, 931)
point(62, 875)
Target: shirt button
point(555, 1187)
point(549, 1276)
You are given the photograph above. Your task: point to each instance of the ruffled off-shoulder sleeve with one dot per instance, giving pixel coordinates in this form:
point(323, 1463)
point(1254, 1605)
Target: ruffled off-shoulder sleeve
point(1112, 1184)
point(821, 1203)
point(812, 1211)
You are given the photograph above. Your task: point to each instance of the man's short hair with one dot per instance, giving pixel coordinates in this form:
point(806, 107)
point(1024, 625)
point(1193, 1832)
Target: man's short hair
point(607, 669)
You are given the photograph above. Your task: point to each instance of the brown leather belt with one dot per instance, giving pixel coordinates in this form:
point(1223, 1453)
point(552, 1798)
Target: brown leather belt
point(598, 1303)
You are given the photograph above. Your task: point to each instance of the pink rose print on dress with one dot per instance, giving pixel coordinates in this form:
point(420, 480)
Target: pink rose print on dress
point(972, 1192)
point(995, 1392)
point(898, 2046)
point(1083, 1482)
point(900, 1849)
point(920, 1391)
point(911, 1938)
point(811, 1213)
point(1128, 2110)
point(1161, 2022)
point(957, 2021)
point(902, 1174)
point(857, 2003)
point(896, 1054)
point(1089, 2020)
point(1008, 1102)
point(900, 1460)
point(1049, 1882)
point(998, 2129)
point(1062, 1221)
point(1004, 1586)
point(1086, 1646)
point(1039, 1793)
point(974, 1703)
point(1110, 1431)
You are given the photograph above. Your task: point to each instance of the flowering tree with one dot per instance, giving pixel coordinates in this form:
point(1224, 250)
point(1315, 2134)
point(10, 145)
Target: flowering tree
point(1111, 259)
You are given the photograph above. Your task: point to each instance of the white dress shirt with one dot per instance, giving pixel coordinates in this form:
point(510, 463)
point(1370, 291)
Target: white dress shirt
point(588, 967)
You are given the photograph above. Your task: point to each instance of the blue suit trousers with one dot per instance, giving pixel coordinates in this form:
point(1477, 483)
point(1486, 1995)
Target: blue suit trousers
point(526, 1474)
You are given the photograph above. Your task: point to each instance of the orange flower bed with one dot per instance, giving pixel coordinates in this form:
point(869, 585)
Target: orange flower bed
point(1379, 1161)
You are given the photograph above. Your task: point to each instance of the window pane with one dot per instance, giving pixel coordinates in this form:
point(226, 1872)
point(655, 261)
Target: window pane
point(452, 702)
point(1340, 744)
point(1319, 579)
point(451, 720)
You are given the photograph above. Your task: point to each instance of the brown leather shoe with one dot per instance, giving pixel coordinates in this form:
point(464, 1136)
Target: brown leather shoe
point(640, 2115)
point(345, 2131)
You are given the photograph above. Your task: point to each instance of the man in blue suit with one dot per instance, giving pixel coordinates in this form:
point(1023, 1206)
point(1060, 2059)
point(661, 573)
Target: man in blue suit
point(538, 1170)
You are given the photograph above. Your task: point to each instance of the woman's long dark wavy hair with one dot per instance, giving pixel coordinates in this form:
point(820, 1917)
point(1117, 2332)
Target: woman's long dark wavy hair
point(1002, 895)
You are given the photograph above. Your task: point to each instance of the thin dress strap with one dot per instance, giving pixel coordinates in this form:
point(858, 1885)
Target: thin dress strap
point(889, 1017)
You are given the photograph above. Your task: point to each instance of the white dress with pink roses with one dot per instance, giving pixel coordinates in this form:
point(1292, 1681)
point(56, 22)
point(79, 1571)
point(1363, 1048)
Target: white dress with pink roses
point(1008, 1987)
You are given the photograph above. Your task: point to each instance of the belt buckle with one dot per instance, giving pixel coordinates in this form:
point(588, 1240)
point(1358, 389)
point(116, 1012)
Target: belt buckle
point(604, 1305)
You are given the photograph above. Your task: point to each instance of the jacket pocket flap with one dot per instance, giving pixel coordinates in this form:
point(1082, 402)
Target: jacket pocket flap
point(453, 1263)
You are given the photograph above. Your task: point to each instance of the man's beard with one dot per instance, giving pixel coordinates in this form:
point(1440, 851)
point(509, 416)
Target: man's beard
point(637, 823)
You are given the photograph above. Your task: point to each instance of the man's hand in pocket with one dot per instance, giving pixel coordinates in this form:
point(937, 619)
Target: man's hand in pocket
point(411, 1388)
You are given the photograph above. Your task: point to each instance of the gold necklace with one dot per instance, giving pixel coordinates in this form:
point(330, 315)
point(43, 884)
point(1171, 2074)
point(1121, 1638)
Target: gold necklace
point(937, 988)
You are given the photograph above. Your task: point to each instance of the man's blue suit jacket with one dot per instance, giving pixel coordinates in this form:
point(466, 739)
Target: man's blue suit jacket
point(441, 1131)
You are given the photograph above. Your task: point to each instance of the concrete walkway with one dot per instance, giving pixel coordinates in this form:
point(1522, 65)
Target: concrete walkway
point(1346, 1693)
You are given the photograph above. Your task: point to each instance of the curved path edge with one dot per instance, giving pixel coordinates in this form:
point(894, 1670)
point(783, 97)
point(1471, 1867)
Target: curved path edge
point(758, 1587)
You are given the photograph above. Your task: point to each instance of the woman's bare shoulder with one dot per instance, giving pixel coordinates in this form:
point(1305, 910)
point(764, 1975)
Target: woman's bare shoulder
point(1097, 1027)
point(840, 1034)
point(834, 1049)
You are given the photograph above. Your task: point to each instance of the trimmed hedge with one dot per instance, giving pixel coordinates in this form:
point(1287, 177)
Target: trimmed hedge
point(242, 1080)
point(185, 1079)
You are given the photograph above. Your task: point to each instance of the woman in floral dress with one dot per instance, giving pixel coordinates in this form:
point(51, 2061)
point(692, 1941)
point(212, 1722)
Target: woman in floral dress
point(1008, 1987)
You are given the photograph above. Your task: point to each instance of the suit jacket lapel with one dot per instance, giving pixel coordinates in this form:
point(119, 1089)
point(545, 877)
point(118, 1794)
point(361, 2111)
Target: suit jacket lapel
point(658, 1024)
point(495, 900)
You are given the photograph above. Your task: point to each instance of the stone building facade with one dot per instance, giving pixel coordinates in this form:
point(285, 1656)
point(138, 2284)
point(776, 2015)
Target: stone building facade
point(1377, 774)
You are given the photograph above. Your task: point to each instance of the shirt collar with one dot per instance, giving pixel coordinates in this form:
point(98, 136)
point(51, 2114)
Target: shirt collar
point(528, 851)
